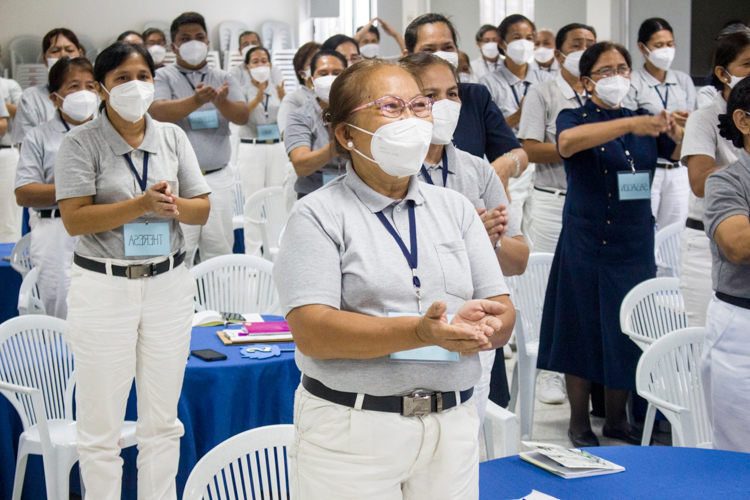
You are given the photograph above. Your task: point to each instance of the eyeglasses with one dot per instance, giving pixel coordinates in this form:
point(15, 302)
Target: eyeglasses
point(353, 59)
point(609, 72)
point(392, 106)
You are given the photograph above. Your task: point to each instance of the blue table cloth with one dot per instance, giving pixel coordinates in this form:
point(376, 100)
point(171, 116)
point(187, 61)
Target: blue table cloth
point(655, 472)
point(10, 284)
point(219, 400)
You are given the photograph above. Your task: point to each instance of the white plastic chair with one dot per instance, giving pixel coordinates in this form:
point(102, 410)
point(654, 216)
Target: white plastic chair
point(236, 284)
point(669, 378)
point(25, 49)
point(506, 421)
point(652, 309)
point(238, 219)
point(667, 248)
point(252, 464)
point(29, 301)
point(283, 63)
point(229, 33)
point(36, 375)
point(267, 209)
point(213, 59)
point(528, 292)
point(277, 35)
point(20, 258)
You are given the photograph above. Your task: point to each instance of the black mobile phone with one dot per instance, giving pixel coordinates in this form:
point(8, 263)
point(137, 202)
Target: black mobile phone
point(208, 355)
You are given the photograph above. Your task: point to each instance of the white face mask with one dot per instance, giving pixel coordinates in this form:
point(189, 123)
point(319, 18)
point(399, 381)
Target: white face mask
point(445, 117)
point(323, 86)
point(246, 49)
point(399, 148)
point(735, 79)
point(79, 106)
point(612, 90)
point(260, 73)
point(193, 52)
point(370, 51)
point(520, 51)
point(490, 50)
point(51, 62)
point(451, 57)
point(573, 62)
point(662, 58)
point(131, 100)
point(157, 53)
point(543, 55)
point(464, 77)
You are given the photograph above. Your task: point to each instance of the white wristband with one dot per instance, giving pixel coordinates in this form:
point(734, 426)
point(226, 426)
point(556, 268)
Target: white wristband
point(513, 155)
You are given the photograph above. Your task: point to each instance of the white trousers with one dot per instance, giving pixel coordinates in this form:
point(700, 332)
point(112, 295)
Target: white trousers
point(725, 369)
point(119, 329)
point(669, 196)
point(260, 166)
point(482, 389)
point(10, 213)
point(217, 236)
point(545, 221)
point(343, 453)
point(520, 190)
point(51, 250)
point(695, 275)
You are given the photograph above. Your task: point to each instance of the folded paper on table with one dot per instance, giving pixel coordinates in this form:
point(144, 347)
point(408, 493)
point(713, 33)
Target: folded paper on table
point(538, 495)
point(565, 462)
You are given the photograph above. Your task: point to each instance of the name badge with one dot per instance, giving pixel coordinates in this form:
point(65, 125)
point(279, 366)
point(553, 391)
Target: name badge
point(329, 177)
point(634, 185)
point(146, 240)
point(200, 120)
point(268, 132)
point(429, 354)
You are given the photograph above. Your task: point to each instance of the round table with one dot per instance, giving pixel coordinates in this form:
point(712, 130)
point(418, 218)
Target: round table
point(219, 400)
point(653, 472)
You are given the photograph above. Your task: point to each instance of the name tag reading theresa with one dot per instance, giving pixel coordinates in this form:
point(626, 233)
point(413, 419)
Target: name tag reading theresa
point(432, 353)
point(200, 120)
point(146, 240)
point(634, 185)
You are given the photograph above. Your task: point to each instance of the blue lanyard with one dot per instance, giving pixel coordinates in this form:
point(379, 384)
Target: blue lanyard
point(203, 77)
point(141, 180)
point(525, 89)
point(427, 176)
point(664, 100)
point(411, 257)
point(67, 127)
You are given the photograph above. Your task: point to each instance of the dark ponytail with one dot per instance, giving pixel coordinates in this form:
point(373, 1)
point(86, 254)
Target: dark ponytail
point(738, 99)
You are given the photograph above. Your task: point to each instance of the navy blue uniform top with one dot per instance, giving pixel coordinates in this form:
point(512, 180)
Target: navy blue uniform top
point(481, 128)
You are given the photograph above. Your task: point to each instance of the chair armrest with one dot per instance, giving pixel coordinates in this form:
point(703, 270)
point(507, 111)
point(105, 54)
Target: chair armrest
point(508, 425)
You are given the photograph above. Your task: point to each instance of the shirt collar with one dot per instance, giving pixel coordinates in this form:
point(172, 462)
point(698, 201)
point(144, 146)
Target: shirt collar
point(510, 77)
point(565, 88)
point(200, 71)
point(117, 143)
point(670, 79)
point(375, 201)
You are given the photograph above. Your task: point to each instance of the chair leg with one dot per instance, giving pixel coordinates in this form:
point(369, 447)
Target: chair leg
point(489, 439)
point(514, 388)
point(20, 474)
point(648, 425)
point(629, 409)
point(527, 392)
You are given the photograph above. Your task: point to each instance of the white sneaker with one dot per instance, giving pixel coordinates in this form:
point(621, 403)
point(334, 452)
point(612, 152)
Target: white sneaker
point(551, 388)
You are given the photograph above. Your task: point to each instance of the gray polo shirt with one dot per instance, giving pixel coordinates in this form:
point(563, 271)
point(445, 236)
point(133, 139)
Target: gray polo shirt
point(34, 109)
point(553, 69)
point(91, 162)
point(474, 178)
point(481, 66)
point(38, 153)
point(306, 128)
point(728, 194)
point(211, 145)
point(350, 262)
point(702, 138)
point(11, 92)
point(508, 90)
point(539, 122)
point(647, 92)
point(291, 102)
point(265, 113)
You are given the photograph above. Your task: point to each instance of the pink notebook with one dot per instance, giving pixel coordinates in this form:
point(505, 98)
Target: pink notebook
point(266, 327)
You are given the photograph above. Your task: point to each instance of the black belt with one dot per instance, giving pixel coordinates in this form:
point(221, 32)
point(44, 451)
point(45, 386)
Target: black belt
point(695, 224)
point(735, 301)
point(260, 141)
point(668, 166)
point(206, 172)
point(417, 403)
point(5, 146)
point(550, 191)
point(135, 271)
point(49, 214)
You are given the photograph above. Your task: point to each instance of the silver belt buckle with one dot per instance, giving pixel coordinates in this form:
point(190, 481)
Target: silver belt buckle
point(269, 141)
point(138, 271)
point(417, 404)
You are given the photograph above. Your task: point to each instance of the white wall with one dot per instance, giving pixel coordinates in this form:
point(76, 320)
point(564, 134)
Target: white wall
point(103, 20)
point(465, 17)
point(554, 14)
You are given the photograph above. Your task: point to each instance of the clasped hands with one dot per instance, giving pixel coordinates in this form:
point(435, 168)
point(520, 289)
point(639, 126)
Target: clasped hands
point(206, 93)
point(495, 222)
point(470, 330)
point(160, 200)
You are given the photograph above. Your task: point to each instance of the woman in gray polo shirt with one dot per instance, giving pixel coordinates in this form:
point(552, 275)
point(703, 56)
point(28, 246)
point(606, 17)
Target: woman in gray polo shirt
point(725, 365)
point(124, 183)
point(384, 406)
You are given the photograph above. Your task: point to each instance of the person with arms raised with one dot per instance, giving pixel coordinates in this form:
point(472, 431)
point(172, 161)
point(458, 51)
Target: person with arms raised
point(368, 38)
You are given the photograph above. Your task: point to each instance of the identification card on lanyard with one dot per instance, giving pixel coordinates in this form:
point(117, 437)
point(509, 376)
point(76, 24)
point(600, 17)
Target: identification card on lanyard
point(431, 353)
point(145, 239)
point(200, 120)
point(268, 132)
point(633, 185)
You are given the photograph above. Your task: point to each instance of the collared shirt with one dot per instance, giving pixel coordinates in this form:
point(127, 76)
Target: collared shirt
point(3, 110)
point(706, 96)
point(353, 264)
point(508, 90)
point(91, 162)
point(474, 178)
point(481, 66)
point(677, 90)
point(11, 92)
point(291, 102)
point(728, 194)
point(539, 122)
point(702, 138)
point(36, 164)
point(34, 109)
point(553, 69)
point(265, 113)
point(211, 145)
point(306, 128)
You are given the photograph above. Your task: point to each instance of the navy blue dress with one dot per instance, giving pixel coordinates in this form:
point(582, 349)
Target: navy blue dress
point(606, 247)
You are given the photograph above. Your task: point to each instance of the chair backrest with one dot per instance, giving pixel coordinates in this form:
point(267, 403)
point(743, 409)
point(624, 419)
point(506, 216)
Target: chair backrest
point(652, 309)
point(669, 377)
point(528, 291)
point(20, 258)
point(235, 283)
point(29, 301)
point(33, 354)
point(252, 464)
point(232, 59)
point(267, 209)
point(667, 248)
point(229, 32)
point(25, 49)
point(89, 46)
point(283, 61)
point(277, 35)
point(214, 59)
point(239, 198)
